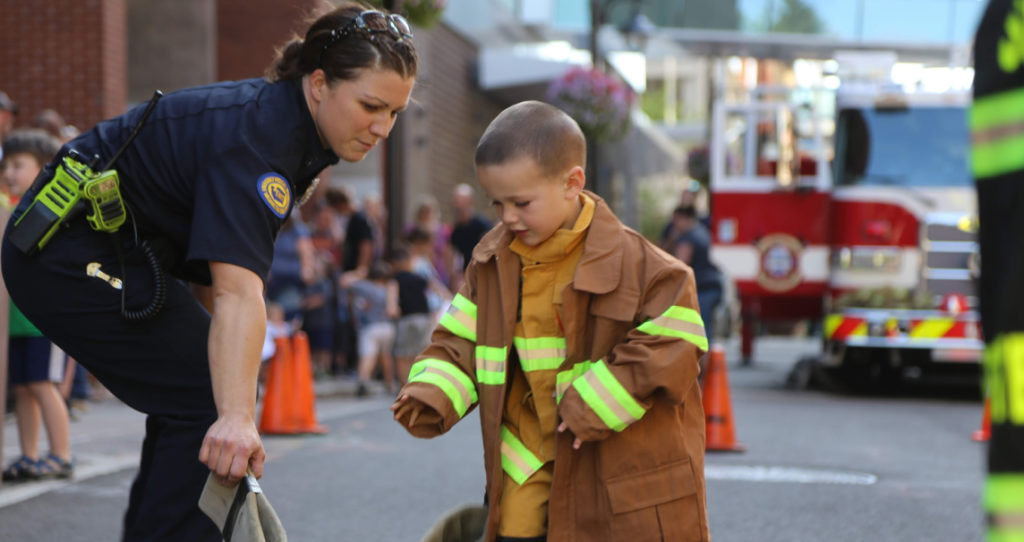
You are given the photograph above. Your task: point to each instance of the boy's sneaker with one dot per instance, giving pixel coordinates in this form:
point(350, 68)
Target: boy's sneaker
point(21, 470)
point(52, 466)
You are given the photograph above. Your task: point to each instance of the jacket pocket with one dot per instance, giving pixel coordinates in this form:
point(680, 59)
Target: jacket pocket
point(658, 504)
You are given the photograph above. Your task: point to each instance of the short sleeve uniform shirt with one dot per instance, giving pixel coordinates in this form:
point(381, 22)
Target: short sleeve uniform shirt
point(215, 171)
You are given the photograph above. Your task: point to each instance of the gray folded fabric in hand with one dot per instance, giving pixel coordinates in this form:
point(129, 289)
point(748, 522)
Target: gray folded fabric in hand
point(243, 512)
point(466, 523)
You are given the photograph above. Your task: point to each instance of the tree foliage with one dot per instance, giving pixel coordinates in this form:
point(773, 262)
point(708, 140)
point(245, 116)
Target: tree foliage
point(797, 17)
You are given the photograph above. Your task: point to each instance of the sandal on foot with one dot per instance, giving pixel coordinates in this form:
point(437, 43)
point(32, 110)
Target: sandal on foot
point(52, 466)
point(21, 470)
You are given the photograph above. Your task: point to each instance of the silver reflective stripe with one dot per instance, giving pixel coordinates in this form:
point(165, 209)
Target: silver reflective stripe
point(490, 365)
point(516, 459)
point(540, 353)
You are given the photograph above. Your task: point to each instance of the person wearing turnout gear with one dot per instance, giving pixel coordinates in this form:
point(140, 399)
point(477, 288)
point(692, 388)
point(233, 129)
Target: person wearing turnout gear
point(997, 158)
point(579, 342)
point(211, 176)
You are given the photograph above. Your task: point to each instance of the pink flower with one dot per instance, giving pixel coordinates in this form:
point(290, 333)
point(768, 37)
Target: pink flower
point(598, 102)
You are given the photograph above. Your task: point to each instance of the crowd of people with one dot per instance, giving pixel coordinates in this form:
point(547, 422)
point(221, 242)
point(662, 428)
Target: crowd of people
point(368, 308)
point(48, 388)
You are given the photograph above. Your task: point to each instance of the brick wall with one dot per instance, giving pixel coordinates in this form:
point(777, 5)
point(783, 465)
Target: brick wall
point(67, 55)
point(173, 46)
point(250, 31)
point(445, 122)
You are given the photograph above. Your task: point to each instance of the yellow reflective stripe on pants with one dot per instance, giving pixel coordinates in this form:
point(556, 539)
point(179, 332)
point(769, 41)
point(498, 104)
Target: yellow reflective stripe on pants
point(490, 365)
point(608, 398)
point(1004, 504)
point(516, 460)
point(447, 376)
point(461, 318)
point(679, 322)
point(564, 378)
point(540, 353)
point(1004, 370)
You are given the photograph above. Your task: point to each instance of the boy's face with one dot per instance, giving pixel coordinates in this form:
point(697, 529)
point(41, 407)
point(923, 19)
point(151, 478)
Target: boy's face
point(533, 205)
point(19, 170)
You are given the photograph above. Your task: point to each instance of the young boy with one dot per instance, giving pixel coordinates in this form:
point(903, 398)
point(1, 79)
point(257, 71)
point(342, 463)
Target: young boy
point(34, 372)
point(579, 341)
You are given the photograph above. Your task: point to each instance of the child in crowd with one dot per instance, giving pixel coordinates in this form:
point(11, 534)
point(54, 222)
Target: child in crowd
point(579, 340)
point(318, 317)
point(374, 304)
point(36, 369)
point(421, 248)
point(413, 327)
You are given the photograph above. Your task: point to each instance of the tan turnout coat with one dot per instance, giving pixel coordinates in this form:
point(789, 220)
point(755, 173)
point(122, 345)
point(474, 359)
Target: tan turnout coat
point(644, 482)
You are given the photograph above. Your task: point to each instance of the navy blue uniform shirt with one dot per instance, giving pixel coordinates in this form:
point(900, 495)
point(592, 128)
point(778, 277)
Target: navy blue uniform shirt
point(215, 171)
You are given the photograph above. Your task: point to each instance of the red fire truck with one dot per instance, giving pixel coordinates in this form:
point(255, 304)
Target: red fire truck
point(855, 210)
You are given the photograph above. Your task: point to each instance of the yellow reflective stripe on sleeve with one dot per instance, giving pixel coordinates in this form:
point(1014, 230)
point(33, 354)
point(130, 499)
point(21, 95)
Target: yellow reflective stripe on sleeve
point(607, 397)
point(516, 460)
point(992, 158)
point(999, 535)
point(997, 133)
point(447, 376)
point(679, 322)
point(540, 353)
point(564, 378)
point(490, 365)
point(1004, 504)
point(1004, 493)
point(996, 110)
point(461, 318)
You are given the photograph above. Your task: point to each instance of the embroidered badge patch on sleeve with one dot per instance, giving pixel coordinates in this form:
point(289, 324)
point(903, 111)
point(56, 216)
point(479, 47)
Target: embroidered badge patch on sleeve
point(275, 193)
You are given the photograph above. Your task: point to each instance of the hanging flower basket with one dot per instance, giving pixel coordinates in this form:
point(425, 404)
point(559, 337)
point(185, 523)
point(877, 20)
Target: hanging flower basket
point(600, 103)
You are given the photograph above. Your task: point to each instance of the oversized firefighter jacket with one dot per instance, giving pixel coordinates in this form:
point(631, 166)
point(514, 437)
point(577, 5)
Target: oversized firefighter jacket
point(627, 386)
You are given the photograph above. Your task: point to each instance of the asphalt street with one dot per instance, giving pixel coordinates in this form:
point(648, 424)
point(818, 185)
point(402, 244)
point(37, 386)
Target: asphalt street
point(819, 466)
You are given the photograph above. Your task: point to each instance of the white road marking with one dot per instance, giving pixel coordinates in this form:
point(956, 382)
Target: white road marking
point(794, 475)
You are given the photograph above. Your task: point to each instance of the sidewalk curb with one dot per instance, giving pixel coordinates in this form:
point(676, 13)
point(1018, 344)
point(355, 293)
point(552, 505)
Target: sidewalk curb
point(91, 448)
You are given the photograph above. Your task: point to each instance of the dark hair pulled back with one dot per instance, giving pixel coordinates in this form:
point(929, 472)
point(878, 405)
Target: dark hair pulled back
point(344, 59)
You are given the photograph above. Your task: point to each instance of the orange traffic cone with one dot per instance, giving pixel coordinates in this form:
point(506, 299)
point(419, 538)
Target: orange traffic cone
point(721, 435)
point(302, 382)
point(277, 396)
point(983, 434)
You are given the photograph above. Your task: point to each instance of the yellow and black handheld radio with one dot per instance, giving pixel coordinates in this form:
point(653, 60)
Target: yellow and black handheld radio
point(75, 187)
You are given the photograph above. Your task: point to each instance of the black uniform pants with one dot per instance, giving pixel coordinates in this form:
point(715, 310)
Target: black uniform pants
point(158, 366)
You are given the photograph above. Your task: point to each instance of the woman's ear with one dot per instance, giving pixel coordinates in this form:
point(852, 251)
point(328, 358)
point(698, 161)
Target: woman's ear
point(575, 181)
point(318, 84)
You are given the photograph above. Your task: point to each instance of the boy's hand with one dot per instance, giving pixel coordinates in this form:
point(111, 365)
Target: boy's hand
point(576, 443)
point(413, 408)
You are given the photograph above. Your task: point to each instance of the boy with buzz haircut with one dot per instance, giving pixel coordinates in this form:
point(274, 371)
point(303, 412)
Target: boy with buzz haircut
point(579, 340)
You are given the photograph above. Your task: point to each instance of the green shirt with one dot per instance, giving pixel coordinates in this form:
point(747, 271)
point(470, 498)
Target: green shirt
point(19, 326)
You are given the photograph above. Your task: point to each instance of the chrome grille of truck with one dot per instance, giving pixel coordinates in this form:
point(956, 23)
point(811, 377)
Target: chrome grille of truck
point(948, 252)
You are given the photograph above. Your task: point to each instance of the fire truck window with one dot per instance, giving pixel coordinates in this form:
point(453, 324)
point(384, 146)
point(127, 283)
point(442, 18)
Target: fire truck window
point(769, 146)
point(735, 145)
point(852, 147)
point(908, 146)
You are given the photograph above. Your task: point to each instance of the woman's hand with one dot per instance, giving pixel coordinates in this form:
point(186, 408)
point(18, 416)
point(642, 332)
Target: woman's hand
point(232, 445)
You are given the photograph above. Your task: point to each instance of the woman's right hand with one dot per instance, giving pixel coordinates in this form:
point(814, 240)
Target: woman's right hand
point(231, 446)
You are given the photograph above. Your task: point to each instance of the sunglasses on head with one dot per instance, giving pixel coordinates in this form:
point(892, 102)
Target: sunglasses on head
point(369, 24)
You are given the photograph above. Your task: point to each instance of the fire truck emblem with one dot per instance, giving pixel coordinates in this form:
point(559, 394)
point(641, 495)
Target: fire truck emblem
point(780, 262)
